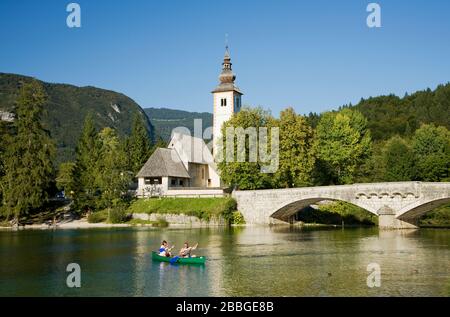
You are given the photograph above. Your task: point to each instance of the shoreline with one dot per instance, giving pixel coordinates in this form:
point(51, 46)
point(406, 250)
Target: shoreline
point(84, 224)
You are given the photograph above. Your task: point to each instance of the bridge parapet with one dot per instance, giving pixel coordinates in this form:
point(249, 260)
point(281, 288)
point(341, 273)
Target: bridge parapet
point(407, 200)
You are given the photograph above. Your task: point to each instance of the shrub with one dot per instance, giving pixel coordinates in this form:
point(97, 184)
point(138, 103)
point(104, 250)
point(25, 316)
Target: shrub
point(237, 218)
point(117, 215)
point(98, 216)
point(229, 208)
point(161, 223)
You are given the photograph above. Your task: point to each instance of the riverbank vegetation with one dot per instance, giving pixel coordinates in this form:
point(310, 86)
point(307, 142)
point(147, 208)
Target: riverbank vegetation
point(337, 147)
point(96, 181)
point(202, 208)
point(337, 213)
point(339, 150)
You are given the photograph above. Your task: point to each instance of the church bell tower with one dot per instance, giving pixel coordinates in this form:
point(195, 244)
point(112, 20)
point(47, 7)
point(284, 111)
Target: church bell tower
point(227, 99)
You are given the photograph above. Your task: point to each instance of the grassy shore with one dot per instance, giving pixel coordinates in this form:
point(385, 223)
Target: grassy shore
point(202, 208)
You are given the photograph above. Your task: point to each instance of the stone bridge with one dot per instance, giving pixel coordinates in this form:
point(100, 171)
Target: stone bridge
point(398, 204)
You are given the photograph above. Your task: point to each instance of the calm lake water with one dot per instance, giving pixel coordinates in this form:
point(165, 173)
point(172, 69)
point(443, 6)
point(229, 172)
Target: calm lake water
point(259, 261)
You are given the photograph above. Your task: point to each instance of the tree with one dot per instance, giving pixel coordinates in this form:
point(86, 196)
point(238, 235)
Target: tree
point(342, 143)
point(111, 176)
point(29, 154)
point(138, 144)
point(296, 152)
point(66, 180)
point(3, 142)
point(247, 174)
point(398, 160)
point(431, 146)
point(87, 155)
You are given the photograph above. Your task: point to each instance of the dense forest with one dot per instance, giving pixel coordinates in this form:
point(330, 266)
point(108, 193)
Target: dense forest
point(390, 115)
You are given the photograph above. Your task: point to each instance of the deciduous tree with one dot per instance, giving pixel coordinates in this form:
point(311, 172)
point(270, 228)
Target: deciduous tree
point(431, 146)
point(296, 150)
point(342, 143)
point(398, 160)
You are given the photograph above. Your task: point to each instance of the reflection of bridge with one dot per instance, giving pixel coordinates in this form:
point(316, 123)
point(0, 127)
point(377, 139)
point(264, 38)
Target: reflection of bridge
point(398, 205)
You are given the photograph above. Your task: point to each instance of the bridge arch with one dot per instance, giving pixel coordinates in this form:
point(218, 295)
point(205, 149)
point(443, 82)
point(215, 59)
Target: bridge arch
point(420, 208)
point(395, 203)
point(285, 211)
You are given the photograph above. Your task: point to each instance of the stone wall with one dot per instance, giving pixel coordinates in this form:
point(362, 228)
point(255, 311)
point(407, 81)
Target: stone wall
point(181, 220)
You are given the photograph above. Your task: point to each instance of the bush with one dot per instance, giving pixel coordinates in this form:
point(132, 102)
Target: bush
point(229, 208)
point(161, 223)
point(117, 215)
point(237, 218)
point(98, 216)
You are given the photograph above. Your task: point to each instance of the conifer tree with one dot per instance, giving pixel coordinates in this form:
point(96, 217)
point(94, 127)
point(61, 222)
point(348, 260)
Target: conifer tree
point(138, 144)
point(29, 153)
point(85, 166)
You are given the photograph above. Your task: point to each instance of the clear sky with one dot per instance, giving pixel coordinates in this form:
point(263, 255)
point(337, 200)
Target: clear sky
point(312, 55)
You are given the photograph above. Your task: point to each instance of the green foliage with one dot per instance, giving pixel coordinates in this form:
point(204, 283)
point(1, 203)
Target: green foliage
point(237, 218)
point(342, 143)
point(431, 146)
point(229, 208)
point(87, 156)
point(111, 176)
point(336, 213)
point(440, 217)
point(67, 106)
point(138, 145)
point(117, 214)
point(245, 175)
point(202, 208)
point(160, 223)
point(65, 179)
point(3, 139)
point(28, 155)
point(98, 216)
point(398, 160)
point(296, 150)
point(390, 115)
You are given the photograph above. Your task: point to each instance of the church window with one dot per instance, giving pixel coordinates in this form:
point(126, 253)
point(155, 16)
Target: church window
point(223, 102)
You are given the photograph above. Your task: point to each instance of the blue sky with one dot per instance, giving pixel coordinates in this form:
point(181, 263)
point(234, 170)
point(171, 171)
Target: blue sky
point(312, 55)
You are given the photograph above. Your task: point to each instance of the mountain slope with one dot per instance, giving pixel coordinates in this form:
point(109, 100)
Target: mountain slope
point(391, 115)
point(67, 107)
point(165, 120)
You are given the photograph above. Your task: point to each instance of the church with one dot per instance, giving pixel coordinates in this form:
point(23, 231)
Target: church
point(187, 167)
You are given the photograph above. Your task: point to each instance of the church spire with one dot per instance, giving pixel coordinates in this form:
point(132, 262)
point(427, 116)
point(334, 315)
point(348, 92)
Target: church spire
point(227, 76)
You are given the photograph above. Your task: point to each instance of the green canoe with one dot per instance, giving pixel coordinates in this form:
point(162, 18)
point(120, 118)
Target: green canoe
point(196, 260)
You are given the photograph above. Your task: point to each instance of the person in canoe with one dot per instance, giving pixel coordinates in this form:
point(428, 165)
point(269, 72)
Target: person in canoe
point(185, 252)
point(164, 250)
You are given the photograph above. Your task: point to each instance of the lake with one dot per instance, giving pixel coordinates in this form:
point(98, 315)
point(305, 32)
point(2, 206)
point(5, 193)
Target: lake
point(247, 261)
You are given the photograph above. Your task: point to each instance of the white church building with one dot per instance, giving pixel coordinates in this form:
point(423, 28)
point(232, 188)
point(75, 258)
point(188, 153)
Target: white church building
point(186, 167)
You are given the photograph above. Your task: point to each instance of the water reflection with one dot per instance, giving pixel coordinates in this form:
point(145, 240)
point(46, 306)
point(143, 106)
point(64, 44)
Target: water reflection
point(252, 261)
